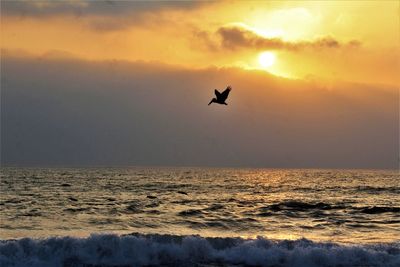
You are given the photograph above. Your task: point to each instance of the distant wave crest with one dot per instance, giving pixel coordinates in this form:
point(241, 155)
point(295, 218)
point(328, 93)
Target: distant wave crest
point(169, 250)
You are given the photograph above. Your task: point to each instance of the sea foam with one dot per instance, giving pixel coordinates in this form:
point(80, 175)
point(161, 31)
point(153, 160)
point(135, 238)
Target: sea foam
point(170, 250)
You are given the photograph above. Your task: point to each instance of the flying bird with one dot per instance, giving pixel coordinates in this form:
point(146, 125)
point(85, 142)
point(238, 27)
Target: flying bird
point(221, 97)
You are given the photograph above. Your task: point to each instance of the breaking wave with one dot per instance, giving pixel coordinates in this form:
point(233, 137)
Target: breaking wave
point(169, 250)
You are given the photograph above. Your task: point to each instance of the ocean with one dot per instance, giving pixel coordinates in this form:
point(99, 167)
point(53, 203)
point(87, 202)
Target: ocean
point(162, 216)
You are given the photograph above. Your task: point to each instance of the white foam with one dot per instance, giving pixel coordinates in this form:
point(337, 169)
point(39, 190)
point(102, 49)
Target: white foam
point(167, 250)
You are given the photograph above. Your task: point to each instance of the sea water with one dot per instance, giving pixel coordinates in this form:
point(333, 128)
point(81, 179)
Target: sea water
point(143, 216)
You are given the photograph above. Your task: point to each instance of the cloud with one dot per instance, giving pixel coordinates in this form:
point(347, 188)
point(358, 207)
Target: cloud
point(235, 37)
point(89, 8)
point(102, 16)
point(72, 112)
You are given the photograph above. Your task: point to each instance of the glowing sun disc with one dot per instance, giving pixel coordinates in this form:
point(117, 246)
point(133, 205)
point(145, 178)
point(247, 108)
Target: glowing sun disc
point(266, 59)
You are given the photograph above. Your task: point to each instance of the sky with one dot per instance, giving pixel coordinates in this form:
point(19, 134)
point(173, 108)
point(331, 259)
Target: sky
point(119, 83)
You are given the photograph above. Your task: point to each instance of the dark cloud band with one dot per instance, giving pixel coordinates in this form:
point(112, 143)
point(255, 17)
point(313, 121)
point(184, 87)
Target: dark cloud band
point(72, 112)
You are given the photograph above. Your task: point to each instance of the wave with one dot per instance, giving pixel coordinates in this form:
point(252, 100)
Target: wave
point(169, 250)
point(300, 206)
point(292, 205)
point(378, 210)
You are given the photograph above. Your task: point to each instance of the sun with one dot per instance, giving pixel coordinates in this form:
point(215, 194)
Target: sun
point(266, 59)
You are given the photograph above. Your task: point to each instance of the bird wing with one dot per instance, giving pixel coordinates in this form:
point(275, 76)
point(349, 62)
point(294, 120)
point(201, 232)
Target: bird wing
point(217, 94)
point(225, 93)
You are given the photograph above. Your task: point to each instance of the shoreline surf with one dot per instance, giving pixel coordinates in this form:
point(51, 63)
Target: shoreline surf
point(137, 249)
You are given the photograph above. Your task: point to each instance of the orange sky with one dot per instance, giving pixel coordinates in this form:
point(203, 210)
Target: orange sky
point(336, 40)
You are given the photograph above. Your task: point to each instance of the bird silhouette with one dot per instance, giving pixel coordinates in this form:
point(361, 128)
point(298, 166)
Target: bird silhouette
point(221, 97)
